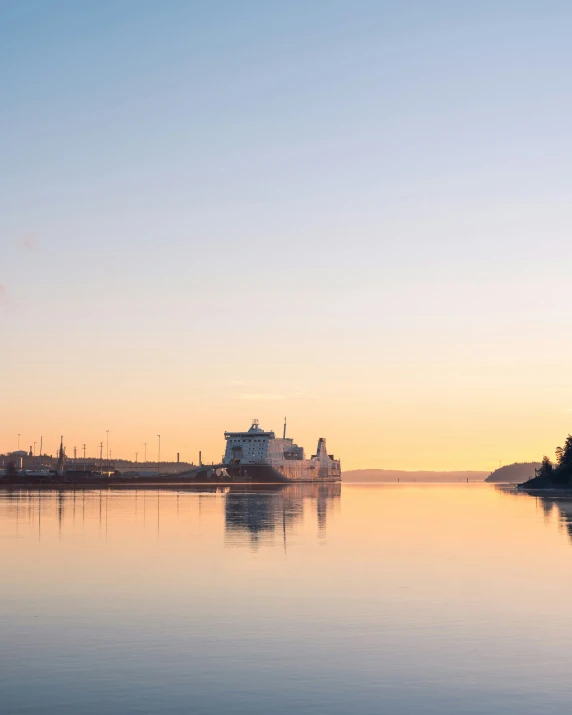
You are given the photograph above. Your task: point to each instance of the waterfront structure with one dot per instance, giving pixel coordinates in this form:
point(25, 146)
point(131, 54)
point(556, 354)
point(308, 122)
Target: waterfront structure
point(254, 456)
point(260, 456)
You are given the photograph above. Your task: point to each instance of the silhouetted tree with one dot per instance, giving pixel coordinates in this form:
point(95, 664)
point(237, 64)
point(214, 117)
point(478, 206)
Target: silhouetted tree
point(563, 471)
point(546, 469)
point(564, 454)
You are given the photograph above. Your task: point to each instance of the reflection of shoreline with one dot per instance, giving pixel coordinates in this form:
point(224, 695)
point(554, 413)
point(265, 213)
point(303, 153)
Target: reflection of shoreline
point(563, 507)
point(248, 509)
point(559, 501)
point(203, 488)
point(256, 512)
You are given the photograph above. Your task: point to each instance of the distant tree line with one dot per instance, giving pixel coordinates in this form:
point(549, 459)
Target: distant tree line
point(517, 472)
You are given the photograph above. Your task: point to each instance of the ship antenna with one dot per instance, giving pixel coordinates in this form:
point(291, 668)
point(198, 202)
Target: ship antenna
point(284, 437)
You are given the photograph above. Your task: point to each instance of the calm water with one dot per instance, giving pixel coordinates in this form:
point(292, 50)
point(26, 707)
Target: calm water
point(365, 599)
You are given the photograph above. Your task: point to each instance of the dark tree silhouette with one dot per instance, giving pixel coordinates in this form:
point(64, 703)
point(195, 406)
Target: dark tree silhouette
point(546, 469)
point(562, 474)
point(559, 475)
point(564, 454)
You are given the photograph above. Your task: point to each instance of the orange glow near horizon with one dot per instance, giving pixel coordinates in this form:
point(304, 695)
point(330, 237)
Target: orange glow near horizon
point(378, 433)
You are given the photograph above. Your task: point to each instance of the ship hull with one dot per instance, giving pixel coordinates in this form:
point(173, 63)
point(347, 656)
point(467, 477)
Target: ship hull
point(284, 473)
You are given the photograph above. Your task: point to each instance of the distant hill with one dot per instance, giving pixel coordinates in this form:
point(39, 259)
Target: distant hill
point(517, 472)
point(393, 475)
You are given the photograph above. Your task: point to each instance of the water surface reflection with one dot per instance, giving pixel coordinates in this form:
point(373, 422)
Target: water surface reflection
point(258, 511)
point(432, 599)
point(263, 510)
point(562, 505)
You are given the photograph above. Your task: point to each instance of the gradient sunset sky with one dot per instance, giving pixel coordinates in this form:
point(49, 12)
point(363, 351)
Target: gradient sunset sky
point(356, 214)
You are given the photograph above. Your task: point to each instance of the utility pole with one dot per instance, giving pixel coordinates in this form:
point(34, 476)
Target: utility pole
point(84, 451)
point(159, 456)
point(107, 446)
point(136, 453)
point(41, 445)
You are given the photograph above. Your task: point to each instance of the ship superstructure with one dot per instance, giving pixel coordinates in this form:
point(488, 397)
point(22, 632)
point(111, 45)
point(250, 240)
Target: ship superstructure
point(261, 456)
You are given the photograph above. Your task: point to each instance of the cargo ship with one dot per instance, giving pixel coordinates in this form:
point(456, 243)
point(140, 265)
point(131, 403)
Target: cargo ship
point(259, 456)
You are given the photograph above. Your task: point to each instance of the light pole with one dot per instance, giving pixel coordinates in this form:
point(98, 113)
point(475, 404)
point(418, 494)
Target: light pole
point(136, 453)
point(107, 445)
point(159, 456)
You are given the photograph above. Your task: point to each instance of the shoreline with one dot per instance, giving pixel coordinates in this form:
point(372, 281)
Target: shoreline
point(150, 484)
point(548, 491)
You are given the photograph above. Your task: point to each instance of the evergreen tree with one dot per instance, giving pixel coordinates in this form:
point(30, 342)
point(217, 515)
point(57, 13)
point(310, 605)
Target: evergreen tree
point(546, 469)
point(563, 471)
point(564, 454)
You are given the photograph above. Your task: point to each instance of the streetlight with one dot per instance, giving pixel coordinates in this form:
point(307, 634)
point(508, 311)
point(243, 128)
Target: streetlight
point(159, 456)
point(107, 445)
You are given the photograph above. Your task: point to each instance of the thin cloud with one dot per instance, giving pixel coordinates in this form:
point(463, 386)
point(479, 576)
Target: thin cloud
point(259, 396)
point(301, 391)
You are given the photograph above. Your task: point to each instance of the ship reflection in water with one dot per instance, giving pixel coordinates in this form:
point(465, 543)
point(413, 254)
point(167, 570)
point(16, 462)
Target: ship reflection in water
point(264, 512)
point(253, 514)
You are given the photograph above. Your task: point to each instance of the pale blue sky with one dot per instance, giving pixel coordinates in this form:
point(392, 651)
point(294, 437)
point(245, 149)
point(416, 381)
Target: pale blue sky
point(388, 183)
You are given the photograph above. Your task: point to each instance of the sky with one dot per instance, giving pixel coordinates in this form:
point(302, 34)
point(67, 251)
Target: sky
point(356, 214)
